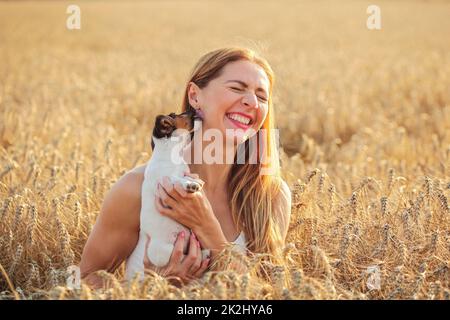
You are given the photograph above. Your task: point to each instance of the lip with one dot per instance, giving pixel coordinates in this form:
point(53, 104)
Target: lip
point(237, 123)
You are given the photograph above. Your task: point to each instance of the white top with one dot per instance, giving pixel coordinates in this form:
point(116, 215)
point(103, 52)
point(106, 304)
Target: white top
point(240, 241)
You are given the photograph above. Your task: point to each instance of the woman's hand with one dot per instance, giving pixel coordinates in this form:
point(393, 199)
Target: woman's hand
point(184, 268)
point(193, 210)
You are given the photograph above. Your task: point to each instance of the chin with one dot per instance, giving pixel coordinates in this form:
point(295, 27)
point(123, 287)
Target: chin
point(236, 138)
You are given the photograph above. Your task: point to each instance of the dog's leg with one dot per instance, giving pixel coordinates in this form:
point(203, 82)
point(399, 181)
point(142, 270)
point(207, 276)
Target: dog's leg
point(189, 184)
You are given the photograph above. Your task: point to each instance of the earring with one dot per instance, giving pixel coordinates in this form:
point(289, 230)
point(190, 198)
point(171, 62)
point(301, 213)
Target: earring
point(199, 112)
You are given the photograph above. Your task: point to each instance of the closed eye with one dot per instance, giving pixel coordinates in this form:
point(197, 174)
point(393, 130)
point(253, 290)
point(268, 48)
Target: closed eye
point(263, 99)
point(240, 90)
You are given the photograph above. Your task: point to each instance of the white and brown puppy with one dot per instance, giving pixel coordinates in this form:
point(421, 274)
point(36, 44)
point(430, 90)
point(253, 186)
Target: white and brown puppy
point(170, 135)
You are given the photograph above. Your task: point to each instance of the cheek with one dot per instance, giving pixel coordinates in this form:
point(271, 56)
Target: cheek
point(217, 104)
point(264, 111)
point(212, 117)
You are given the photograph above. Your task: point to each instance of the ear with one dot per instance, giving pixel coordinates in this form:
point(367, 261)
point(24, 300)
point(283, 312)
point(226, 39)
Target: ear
point(194, 94)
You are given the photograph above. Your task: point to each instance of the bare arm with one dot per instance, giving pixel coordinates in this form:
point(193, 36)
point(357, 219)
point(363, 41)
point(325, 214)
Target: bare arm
point(116, 231)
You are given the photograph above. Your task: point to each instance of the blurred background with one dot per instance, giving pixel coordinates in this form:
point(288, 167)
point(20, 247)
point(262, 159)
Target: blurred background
point(364, 119)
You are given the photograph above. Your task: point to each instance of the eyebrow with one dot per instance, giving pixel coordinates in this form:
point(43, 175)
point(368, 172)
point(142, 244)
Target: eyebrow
point(246, 85)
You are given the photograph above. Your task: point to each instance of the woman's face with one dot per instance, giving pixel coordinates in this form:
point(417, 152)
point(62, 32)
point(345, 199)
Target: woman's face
point(235, 103)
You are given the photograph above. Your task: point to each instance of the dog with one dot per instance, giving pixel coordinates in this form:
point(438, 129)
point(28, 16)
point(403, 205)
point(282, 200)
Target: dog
point(170, 135)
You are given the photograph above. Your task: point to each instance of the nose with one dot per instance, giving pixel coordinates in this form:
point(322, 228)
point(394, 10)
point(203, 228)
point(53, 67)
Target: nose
point(250, 100)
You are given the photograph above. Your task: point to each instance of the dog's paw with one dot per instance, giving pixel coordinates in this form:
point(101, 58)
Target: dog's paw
point(192, 186)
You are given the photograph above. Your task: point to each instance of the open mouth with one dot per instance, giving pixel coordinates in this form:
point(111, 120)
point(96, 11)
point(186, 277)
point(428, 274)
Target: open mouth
point(240, 120)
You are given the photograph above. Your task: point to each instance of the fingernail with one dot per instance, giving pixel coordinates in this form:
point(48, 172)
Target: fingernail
point(182, 234)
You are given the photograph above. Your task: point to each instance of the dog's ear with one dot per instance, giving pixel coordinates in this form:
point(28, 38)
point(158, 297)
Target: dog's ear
point(164, 126)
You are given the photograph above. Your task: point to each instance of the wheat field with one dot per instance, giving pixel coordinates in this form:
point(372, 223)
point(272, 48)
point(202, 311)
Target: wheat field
point(364, 119)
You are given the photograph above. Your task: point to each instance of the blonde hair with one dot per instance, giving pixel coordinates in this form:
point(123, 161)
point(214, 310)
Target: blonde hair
point(251, 193)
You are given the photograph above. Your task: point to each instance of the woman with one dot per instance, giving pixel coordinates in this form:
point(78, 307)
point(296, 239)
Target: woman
point(228, 87)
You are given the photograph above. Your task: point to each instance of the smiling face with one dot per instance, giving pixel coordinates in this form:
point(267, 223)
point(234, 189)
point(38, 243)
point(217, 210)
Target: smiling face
point(236, 102)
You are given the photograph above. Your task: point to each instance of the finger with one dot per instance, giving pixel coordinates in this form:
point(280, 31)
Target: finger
point(192, 175)
point(193, 195)
point(167, 189)
point(166, 192)
point(179, 188)
point(161, 209)
point(177, 253)
point(190, 258)
point(167, 200)
point(198, 260)
point(195, 176)
point(167, 185)
point(203, 267)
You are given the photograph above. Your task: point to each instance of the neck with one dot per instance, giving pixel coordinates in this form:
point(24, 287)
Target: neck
point(214, 174)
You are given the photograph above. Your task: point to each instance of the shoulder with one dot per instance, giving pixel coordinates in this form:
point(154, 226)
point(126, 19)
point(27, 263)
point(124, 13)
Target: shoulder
point(122, 202)
point(130, 183)
point(139, 170)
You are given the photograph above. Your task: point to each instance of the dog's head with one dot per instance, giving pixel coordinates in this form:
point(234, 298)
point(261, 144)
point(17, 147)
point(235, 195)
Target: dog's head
point(165, 125)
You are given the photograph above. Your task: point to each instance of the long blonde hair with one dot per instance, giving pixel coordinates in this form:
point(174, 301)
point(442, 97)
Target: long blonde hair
point(251, 194)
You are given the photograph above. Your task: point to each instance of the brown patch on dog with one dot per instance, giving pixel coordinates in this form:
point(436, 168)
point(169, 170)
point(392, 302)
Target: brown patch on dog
point(165, 125)
point(184, 121)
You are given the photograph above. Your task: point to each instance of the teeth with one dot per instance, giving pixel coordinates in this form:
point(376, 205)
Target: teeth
point(239, 118)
